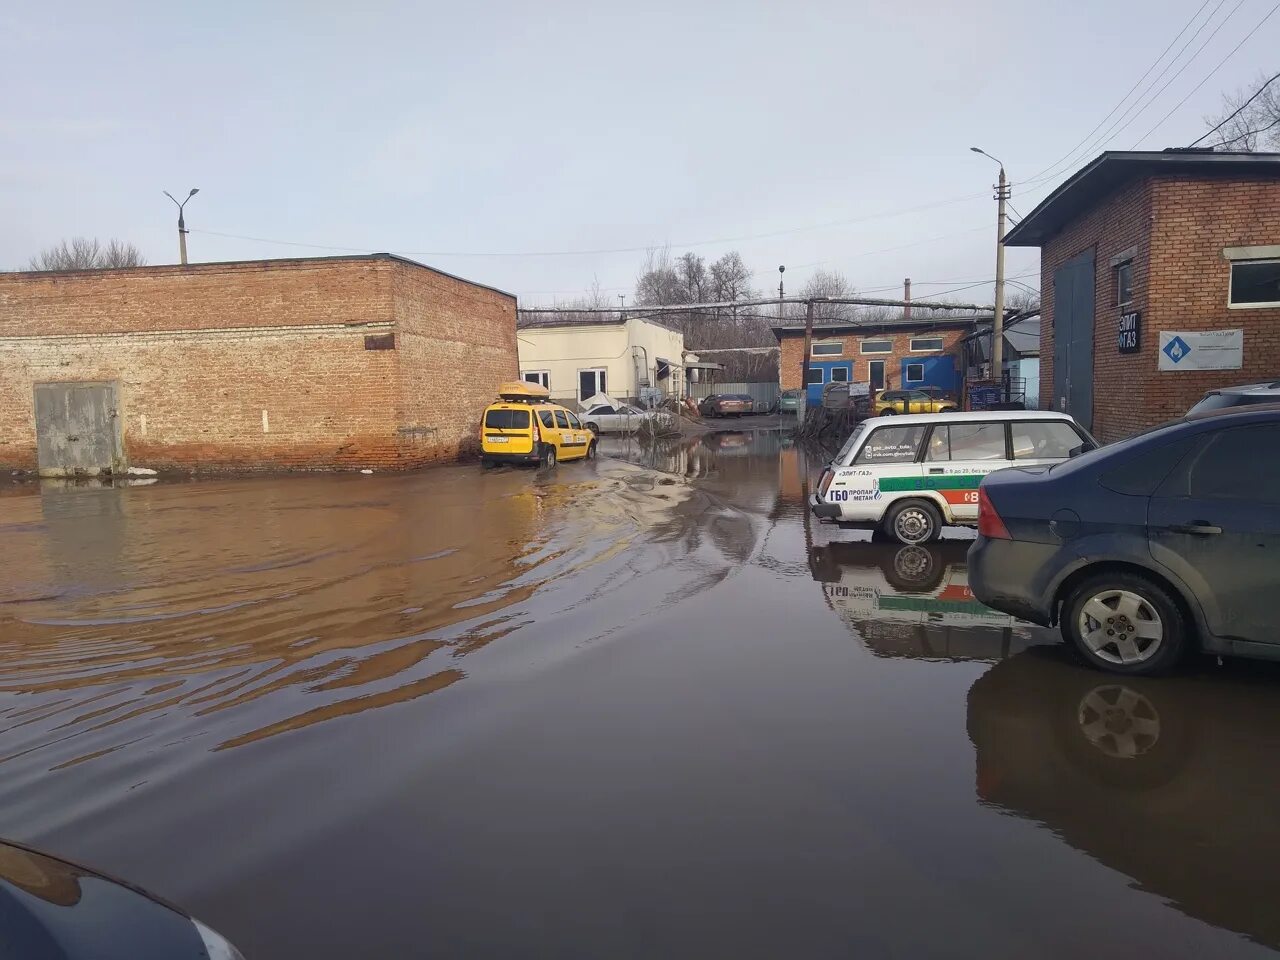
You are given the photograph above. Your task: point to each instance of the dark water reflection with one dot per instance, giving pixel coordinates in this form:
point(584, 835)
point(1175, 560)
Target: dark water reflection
point(624, 709)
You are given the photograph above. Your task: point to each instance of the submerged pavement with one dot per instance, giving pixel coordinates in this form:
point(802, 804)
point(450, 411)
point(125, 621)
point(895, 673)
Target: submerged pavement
point(642, 706)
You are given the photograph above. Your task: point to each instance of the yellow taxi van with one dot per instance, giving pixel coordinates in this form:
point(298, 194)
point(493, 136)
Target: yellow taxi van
point(524, 426)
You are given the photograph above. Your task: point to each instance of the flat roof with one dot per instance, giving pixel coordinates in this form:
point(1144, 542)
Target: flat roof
point(276, 262)
point(879, 326)
point(526, 321)
point(1113, 169)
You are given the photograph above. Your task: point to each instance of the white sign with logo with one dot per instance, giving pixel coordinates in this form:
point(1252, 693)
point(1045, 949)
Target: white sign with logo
point(1202, 350)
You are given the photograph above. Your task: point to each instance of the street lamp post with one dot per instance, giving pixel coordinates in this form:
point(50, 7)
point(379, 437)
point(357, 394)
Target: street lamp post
point(182, 226)
point(781, 271)
point(997, 329)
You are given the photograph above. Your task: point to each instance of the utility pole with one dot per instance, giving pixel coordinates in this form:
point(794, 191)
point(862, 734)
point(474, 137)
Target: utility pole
point(997, 328)
point(808, 347)
point(906, 299)
point(182, 226)
point(781, 294)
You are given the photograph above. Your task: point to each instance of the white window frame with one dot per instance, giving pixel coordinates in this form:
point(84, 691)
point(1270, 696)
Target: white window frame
point(942, 345)
point(842, 368)
point(1115, 273)
point(884, 372)
point(822, 376)
point(1231, 282)
point(906, 374)
point(813, 348)
point(544, 377)
point(577, 387)
point(862, 346)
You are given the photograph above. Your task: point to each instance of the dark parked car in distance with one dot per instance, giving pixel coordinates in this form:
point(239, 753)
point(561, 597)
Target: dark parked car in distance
point(51, 909)
point(1243, 396)
point(727, 405)
point(1165, 542)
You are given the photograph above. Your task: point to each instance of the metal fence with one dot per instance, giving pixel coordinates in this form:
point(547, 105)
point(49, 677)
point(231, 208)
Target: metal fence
point(765, 395)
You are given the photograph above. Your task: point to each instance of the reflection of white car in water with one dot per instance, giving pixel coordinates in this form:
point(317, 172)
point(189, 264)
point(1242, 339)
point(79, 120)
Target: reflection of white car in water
point(914, 601)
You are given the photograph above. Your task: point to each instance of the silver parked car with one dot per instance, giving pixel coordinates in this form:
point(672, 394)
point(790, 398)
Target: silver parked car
point(606, 418)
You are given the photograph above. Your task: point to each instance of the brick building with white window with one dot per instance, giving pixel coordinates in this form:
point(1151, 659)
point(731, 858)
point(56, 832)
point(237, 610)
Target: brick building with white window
point(1160, 279)
point(888, 355)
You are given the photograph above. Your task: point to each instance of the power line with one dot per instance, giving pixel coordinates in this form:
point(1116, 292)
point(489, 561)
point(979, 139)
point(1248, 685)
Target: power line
point(1231, 53)
point(1034, 177)
point(1236, 113)
point(1250, 133)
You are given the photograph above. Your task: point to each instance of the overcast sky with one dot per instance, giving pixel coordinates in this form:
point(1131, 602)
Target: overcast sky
point(801, 134)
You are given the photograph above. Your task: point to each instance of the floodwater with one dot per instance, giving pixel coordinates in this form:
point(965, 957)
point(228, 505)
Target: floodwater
point(634, 708)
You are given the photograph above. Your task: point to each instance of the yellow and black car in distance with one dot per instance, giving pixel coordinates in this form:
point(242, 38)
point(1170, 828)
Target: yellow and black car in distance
point(524, 426)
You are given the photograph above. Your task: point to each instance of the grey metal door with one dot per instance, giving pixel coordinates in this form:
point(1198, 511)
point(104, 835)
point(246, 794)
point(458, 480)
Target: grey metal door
point(1073, 298)
point(77, 429)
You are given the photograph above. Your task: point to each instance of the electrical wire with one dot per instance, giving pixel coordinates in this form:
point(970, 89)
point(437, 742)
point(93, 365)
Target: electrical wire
point(1235, 113)
point(1231, 53)
point(1034, 178)
point(1251, 133)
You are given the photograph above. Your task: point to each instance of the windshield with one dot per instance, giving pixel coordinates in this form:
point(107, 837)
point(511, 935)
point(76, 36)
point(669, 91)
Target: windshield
point(1220, 401)
point(854, 439)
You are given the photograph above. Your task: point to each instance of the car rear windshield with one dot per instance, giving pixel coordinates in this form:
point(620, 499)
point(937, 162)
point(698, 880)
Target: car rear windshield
point(1220, 401)
point(506, 419)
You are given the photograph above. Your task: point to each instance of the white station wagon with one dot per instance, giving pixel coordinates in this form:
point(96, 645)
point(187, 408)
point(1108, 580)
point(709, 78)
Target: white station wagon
point(909, 476)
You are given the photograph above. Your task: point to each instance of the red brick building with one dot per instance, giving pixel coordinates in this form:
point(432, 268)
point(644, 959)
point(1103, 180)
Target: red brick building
point(888, 355)
point(348, 362)
point(1160, 279)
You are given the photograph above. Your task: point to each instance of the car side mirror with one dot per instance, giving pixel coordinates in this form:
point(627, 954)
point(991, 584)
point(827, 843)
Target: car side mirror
point(1083, 448)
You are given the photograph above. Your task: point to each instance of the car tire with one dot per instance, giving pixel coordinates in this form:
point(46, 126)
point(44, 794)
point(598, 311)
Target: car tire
point(1102, 607)
point(487, 464)
point(591, 450)
point(913, 522)
point(548, 455)
point(888, 412)
point(594, 428)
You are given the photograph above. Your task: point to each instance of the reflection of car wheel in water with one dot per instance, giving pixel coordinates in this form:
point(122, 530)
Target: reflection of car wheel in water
point(1117, 735)
point(914, 569)
point(1124, 623)
point(914, 521)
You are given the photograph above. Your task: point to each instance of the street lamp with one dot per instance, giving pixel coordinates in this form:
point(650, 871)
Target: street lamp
point(781, 270)
point(182, 226)
point(997, 328)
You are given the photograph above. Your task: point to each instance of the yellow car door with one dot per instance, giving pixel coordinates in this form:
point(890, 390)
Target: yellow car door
point(566, 449)
point(578, 438)
point(547, 426)
point(920, 402)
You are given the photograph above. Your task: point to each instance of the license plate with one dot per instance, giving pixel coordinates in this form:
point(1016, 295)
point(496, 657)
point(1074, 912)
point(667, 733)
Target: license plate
point(497, 439)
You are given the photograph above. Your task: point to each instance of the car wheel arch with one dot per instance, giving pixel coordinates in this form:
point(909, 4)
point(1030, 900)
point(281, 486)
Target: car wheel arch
point(1181, 595)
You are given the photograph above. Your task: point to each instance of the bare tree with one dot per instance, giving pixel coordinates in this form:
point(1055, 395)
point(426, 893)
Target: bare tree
point(81, 253)
point(1249, 119)
point(829, 283)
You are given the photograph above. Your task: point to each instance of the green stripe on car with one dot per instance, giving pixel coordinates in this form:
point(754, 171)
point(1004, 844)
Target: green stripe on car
point(956, 481)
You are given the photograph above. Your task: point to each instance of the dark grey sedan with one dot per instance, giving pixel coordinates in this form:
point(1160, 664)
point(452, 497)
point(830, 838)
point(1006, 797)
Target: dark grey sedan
point(1163, 543)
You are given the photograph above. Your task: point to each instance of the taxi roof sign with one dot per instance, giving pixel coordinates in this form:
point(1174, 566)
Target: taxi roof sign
point(520, 391)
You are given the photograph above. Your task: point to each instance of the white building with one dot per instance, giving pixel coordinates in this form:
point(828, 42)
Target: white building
point(629, 358)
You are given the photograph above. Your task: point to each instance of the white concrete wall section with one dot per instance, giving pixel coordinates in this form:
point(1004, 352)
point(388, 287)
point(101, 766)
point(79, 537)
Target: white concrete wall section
point(564, 352)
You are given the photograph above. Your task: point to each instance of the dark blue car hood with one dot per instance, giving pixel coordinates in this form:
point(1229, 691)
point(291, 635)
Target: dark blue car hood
point(54, 910)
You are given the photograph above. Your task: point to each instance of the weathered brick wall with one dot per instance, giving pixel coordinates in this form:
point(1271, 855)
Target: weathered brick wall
point(457, 342)
point(196, 402)
point(1120, 222)
point(793, 353)
point(1180, 282)
point(200, 355)
point(264, 293)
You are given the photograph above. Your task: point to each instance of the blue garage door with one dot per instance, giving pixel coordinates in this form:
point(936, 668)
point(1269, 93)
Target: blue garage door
point(931, 371)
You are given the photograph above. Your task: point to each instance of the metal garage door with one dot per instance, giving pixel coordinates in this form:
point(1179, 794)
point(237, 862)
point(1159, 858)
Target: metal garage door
point(78, 429)
point(1073, 296)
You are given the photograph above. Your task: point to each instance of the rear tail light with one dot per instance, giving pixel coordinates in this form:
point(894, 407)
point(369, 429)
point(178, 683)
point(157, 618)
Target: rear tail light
point(989, 523)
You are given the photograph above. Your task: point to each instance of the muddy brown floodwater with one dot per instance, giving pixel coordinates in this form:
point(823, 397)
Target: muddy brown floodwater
point(634, 708)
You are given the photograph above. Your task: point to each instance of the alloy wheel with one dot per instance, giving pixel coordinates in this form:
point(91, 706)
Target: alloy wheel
point(1121, 627)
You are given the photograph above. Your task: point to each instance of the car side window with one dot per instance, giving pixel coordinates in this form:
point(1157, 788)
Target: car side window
point(1043, 440)
point(1143, 472)
point(967, 441)
point(547, 419)
point(574, 422)
point(891, 445)
point(561, 420)
point(919, 395)
point(600, 411)
point(1237, 464)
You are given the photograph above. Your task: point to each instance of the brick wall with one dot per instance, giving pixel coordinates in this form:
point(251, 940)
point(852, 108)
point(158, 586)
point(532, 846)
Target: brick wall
point(1179, 226)
point(457, 342)
point(792, 353)
point(1121, 222)
point(202, 353)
